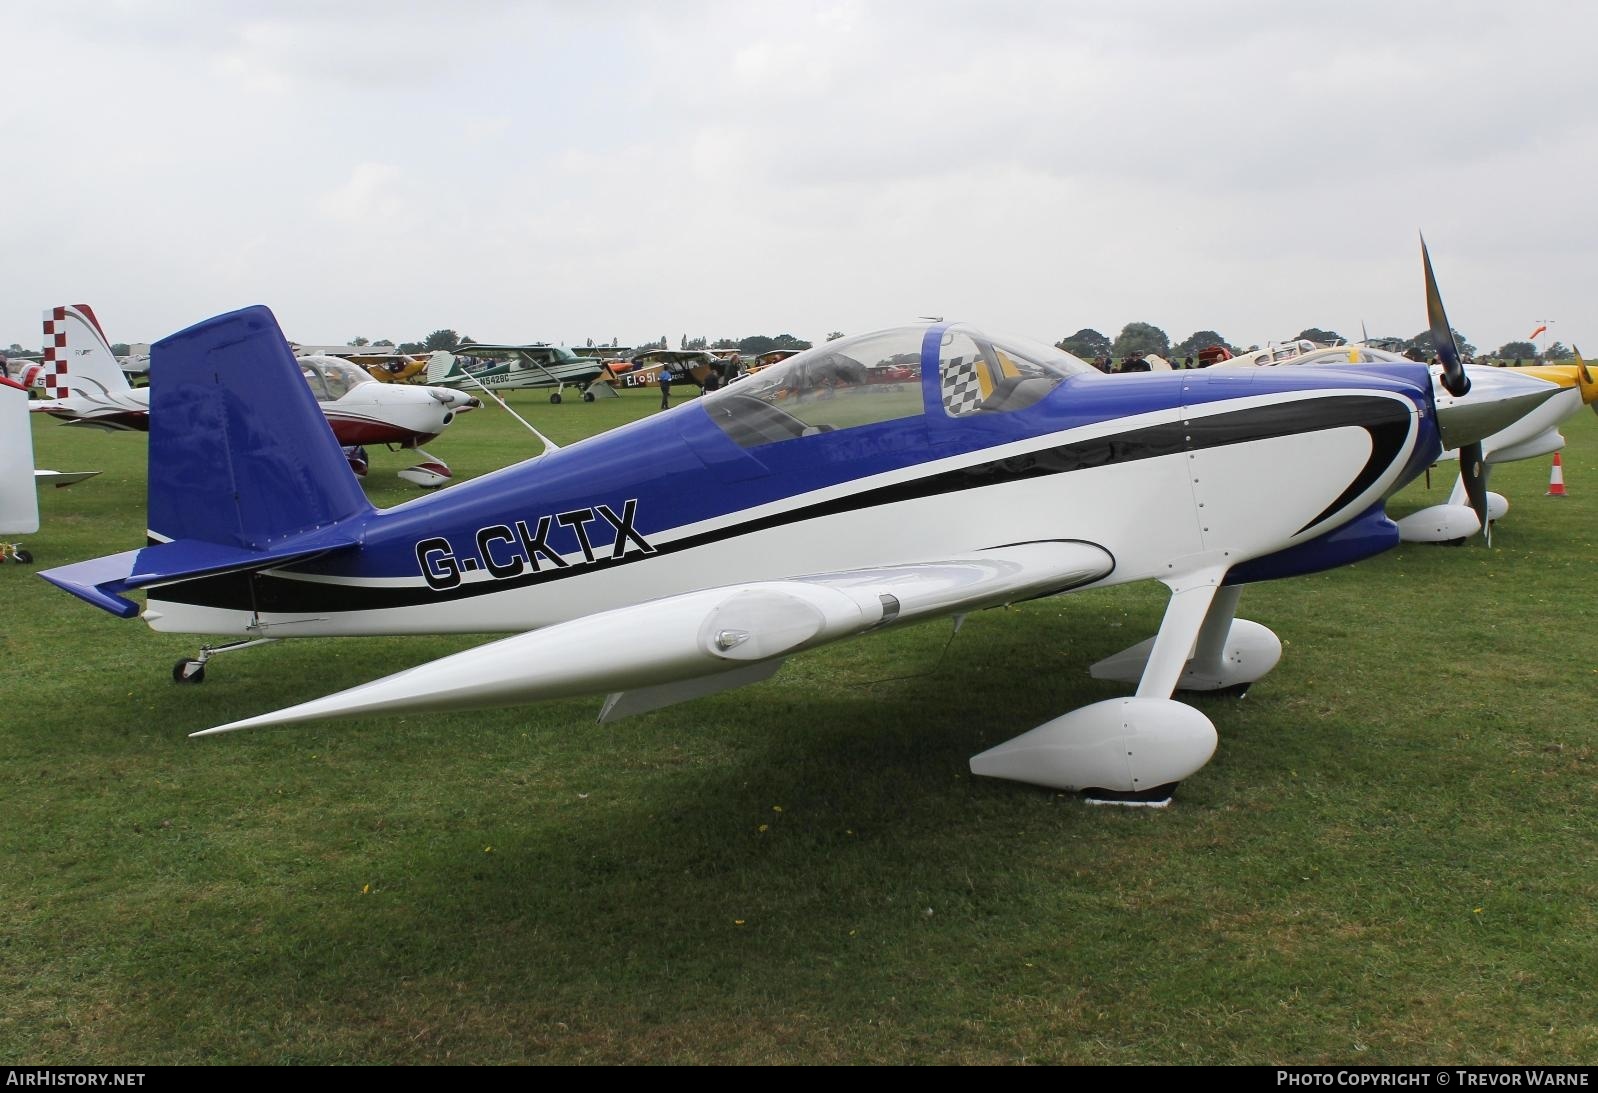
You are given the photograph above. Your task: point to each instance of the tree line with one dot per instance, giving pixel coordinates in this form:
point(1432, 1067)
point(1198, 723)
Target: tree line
point(1141, 339)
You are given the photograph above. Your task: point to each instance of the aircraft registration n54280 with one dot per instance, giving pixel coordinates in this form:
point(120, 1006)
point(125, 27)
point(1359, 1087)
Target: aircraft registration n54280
point(799, 506)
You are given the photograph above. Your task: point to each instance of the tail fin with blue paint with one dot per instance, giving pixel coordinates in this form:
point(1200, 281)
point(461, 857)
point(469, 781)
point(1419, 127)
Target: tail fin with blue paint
point(245, 473)
point(240, 453)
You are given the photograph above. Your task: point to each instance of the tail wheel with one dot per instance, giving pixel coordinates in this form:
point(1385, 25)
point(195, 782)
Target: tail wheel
point(23, 556)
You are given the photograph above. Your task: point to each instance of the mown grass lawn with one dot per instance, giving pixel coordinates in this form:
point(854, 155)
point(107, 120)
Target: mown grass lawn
point(1392, 858)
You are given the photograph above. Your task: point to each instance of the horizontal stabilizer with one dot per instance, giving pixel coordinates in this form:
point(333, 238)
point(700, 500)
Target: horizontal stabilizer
point(100, 580)
point(59, 479)
point(701, 642)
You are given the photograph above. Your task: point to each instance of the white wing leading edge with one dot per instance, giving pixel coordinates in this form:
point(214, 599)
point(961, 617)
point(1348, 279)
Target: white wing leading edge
point(702, 642)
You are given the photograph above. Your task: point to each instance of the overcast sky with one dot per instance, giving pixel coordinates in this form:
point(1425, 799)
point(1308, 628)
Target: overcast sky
point(563, 171)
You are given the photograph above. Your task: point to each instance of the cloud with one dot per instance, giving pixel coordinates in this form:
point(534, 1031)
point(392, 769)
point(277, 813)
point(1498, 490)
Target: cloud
point(370, 197)
point(621, 169)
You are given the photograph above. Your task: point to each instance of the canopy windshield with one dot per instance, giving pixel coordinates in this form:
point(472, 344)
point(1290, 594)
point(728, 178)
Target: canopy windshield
point(877, 377)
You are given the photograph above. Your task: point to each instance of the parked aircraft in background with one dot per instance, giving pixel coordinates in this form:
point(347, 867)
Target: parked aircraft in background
point(79, 376)
point(695, 366)
point(84, 386)
point(509, 367)
point(363, 411)
point(390, 367)
point(781, 513)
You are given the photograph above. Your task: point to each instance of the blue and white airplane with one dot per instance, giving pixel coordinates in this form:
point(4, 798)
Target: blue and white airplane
point(792, 509)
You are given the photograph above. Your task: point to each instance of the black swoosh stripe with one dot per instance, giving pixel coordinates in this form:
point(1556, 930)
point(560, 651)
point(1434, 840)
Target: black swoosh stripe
point(1387, 420)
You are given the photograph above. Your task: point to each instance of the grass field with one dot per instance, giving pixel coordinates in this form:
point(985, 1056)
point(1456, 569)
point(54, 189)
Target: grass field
point(1392, 858)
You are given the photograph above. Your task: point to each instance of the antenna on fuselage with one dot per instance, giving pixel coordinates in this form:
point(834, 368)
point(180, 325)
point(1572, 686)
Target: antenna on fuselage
point(549, 445)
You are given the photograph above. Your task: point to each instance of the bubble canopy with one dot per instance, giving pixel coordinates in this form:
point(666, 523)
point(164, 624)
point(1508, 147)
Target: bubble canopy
point(884, 376)
point(330, 378)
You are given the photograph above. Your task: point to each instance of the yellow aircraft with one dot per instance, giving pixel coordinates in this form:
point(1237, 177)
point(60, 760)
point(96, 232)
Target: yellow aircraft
point(390, 367)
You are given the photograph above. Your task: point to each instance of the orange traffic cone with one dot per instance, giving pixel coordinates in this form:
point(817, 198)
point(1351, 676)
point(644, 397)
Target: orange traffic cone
point(1556, 479)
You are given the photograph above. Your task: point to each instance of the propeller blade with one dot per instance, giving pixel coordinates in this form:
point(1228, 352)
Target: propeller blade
point(1454, 377)
point(1473, 472)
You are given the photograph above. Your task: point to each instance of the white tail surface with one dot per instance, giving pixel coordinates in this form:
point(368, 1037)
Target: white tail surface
point(439, 366)
point(75, 348)
point(19, 502)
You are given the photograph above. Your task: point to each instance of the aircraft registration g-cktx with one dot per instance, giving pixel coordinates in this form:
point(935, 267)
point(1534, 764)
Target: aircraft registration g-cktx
point(791, 509)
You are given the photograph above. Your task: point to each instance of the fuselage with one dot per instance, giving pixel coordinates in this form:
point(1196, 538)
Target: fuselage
point(1166, 472)
point(1548, 395)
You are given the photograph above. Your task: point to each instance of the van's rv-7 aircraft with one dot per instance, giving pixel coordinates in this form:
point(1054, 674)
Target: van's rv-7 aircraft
point(778, 514)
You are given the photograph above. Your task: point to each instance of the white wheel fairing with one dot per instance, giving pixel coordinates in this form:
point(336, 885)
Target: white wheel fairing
point(1128, 745)
point(1439, 524)
point(1249, 653)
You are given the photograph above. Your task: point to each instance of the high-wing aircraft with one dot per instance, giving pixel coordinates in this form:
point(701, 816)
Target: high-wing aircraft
point(390, 367)
point(694, 366)
point(785, 511)
point(84, 386)
point(508, 367)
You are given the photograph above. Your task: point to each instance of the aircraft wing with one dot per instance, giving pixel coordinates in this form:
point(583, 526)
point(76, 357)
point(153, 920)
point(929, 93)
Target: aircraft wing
point(710, 640)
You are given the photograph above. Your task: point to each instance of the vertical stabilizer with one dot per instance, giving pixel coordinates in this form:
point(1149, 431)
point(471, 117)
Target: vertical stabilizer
point(440, 366)
point(76, 354)
point(240, 453)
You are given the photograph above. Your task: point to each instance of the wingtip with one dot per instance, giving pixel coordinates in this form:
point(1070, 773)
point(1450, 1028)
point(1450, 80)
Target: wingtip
point(234, 726)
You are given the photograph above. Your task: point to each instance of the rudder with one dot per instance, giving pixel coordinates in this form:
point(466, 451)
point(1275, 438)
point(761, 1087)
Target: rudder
point(240, 453)
point(440, 366)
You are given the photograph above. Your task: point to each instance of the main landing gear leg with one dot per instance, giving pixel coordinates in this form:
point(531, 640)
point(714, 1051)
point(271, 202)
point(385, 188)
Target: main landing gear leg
point(1229, 653)
point(192, 670)
point(1132, 751)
